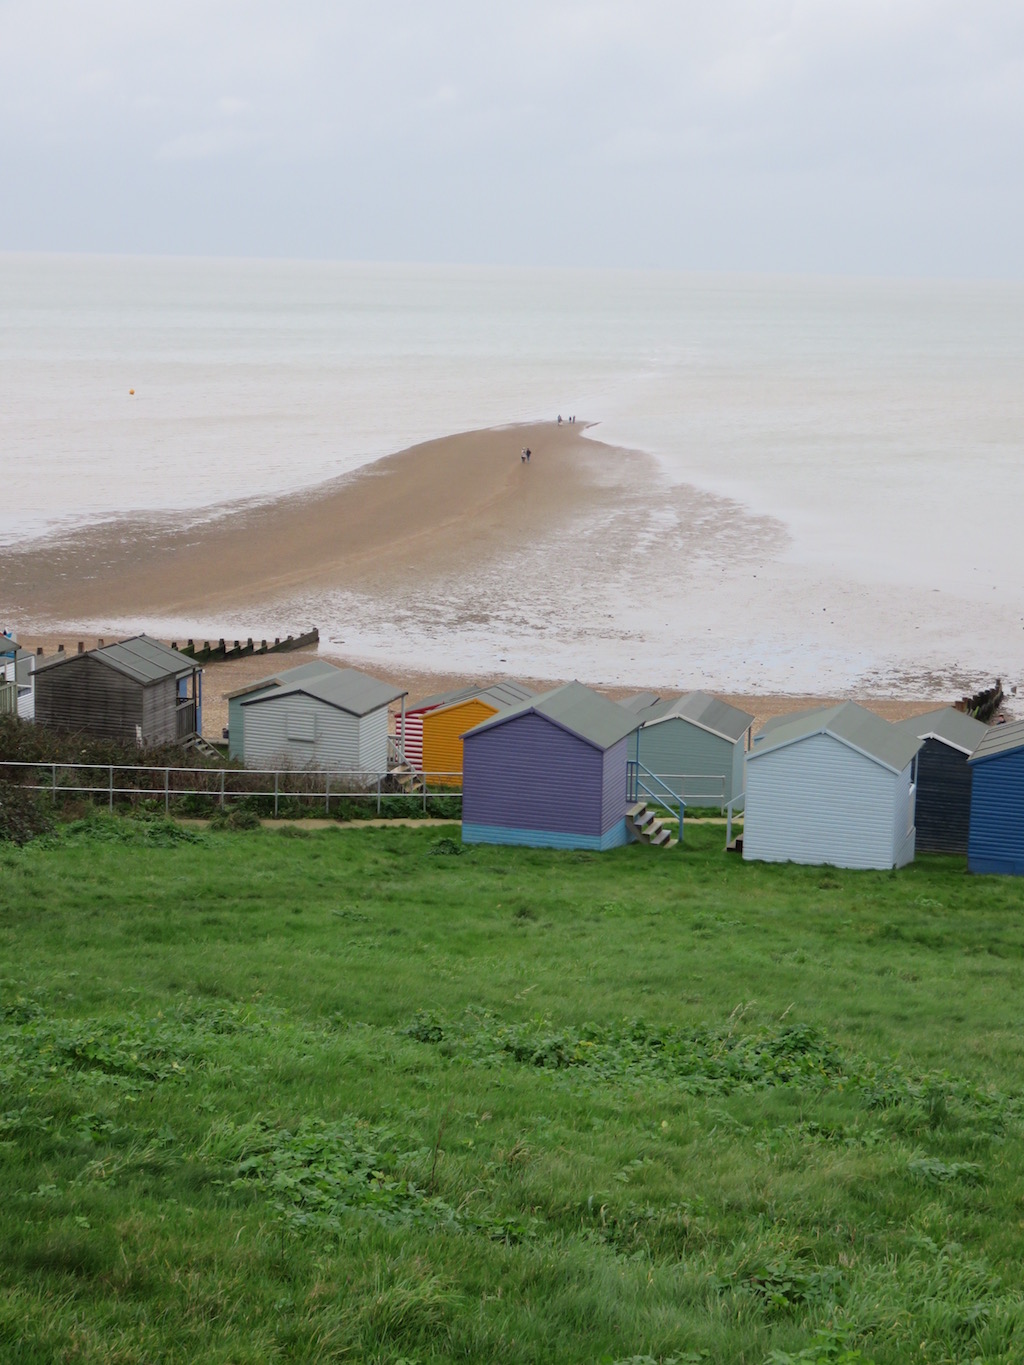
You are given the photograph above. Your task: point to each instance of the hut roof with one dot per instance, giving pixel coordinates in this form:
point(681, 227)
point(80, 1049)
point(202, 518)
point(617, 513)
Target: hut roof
point(999, 739)
point(949, 726)
point(283, 679)
point(704, 711)
point(852, 725)
point(641, 702)
point(346, 689)
point(575, 708)
point(141, 658)
point(500, 694)
point(505, 692)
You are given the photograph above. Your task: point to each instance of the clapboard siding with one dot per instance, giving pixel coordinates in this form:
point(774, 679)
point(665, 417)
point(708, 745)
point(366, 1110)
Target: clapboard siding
point(88, 697)
point(411, 733)
point(443, 729)
point(529, 774)
point(904, 805)
point(160, 712)
point(996, 841)
point(613, 790)
point(236, 727)
point(373, 741)
point(335, 743)
point(943, 798)
point(819, 801)
point(675, 748)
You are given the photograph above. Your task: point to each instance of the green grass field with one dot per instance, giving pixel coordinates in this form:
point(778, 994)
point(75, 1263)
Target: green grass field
point(353, 1095)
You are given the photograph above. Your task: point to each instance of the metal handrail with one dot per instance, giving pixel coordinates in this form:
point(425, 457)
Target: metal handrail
point(327, 785)
point(635, 784)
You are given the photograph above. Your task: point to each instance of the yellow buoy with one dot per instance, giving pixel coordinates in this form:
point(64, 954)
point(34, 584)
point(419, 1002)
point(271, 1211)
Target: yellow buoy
point(131, 390)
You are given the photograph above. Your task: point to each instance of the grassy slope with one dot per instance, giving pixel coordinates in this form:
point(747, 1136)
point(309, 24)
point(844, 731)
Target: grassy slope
point(331, 1096)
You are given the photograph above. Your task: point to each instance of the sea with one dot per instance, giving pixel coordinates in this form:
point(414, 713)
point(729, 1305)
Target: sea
point(863, 439)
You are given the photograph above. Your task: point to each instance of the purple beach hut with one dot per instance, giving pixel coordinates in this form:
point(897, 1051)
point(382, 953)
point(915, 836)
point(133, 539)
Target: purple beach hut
point(549, 773)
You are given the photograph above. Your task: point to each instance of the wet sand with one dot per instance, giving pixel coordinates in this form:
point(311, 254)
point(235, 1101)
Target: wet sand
point(438, 507)
point(437, 536)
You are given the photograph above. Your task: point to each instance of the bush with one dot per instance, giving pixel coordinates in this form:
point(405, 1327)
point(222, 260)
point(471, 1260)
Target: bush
point(237, 818)
point(22, 814)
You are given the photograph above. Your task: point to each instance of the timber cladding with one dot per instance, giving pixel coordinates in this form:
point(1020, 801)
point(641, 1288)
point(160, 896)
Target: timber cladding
point(86, 696)
point(442, 738)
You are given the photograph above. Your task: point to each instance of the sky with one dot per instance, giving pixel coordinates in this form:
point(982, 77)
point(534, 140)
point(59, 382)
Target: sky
point(835, 136)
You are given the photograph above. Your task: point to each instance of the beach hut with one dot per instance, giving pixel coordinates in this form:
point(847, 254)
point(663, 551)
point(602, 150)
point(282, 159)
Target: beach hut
point(943, 777)
point(285, 678)
point(831, 786)
point(550, 773)
point(443, 727)
point(694, 744)
point(336, 719)
point(409, 729)
point(136, 691)
point(9, 651)
point(996, 840)
point(641, 701)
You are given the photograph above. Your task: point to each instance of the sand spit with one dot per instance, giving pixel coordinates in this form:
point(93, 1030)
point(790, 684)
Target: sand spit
point(431, 509)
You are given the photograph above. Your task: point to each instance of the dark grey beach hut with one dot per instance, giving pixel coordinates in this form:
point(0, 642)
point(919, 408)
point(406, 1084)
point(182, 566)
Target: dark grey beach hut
point(943, 777)
point(135, 691)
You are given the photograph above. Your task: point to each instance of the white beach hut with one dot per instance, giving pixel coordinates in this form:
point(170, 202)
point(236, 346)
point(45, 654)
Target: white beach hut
point(831, 786)
point(335, 720)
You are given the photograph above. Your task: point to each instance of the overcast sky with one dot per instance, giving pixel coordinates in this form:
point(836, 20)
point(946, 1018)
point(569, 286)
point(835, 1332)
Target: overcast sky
point(879, 136)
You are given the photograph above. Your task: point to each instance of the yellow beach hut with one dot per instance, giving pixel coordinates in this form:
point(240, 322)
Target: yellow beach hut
point(444, 726)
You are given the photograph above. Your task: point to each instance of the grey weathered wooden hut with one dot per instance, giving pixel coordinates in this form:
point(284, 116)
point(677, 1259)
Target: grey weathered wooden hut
point(695, 745)
point(549, 773)
point(135, 691)
point(943, 777)
point(996, 842)
point(286, 678)
point(832, 786)
point(335, 720)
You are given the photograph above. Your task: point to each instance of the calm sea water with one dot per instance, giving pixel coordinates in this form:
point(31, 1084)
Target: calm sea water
point(882, 422)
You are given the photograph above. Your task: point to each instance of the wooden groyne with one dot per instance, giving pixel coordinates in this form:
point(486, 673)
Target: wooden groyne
point(983, 705)
point(222, 650)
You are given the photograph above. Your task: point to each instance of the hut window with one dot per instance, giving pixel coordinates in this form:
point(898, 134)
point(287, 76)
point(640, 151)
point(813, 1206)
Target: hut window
point(301, 726)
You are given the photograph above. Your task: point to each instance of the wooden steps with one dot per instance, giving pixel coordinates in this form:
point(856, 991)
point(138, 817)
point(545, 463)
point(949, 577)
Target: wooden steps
point(202, 746)
point(647, 828)
point(407, 779)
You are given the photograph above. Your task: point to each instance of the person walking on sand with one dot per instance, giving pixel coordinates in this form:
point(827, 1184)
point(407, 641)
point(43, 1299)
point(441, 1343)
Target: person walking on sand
point(527, 454)
point(559, 419)
point(522, 455)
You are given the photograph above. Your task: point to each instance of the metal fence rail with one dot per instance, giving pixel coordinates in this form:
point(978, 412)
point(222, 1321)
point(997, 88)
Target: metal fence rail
point(221, 785)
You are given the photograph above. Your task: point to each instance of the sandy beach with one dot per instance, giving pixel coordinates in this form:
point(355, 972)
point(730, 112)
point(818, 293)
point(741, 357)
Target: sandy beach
point(425, 553)
point(439, 507)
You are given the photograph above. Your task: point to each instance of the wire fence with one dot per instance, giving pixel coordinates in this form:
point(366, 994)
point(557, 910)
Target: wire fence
point(194, 790)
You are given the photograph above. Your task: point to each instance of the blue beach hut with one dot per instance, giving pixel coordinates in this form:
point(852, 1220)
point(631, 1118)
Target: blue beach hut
point(996, 839)
point(549, 773)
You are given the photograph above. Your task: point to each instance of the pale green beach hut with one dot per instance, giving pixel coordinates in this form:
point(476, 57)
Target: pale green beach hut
point(695, 745)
